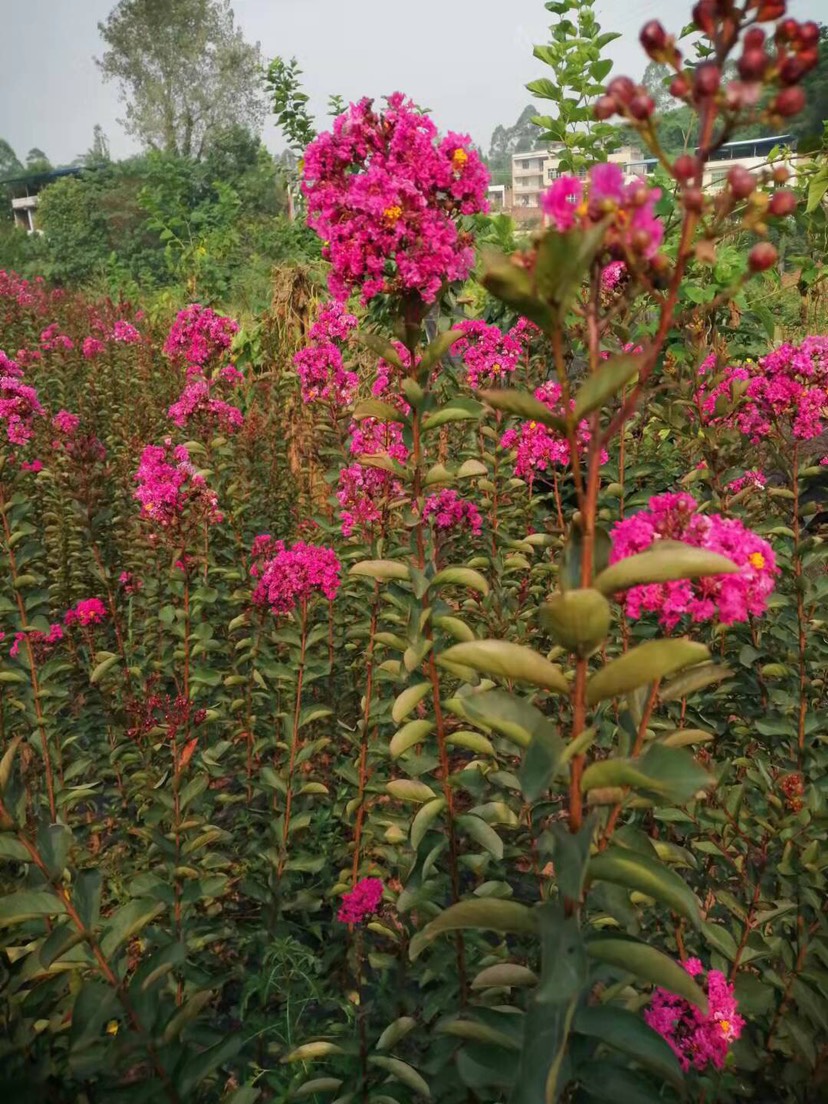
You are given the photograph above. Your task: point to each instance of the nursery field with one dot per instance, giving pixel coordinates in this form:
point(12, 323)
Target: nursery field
point(418, 691)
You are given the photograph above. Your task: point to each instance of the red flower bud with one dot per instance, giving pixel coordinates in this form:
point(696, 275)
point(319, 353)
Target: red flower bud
point(792, 70)
point(809, 58)
point(752, 65)
point(704, 16)
point(605, 108)
point(754, 39)
point(621, 89)
point(809, 33)
point(762, 257)
point(706, 79)
point(742, 183)
point(770, 10)
point(641, 106)
point(693, 199)
point(683, 167)
point(787, 30)
point(782, 204)
point(790, 101)
point(781, 174)
point(653, 38)
point(680, 87)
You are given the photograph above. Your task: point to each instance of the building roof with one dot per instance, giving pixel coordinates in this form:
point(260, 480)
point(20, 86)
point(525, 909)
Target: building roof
point(39, 178)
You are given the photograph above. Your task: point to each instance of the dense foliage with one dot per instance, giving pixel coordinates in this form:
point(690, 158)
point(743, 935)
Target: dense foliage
point(419, 693)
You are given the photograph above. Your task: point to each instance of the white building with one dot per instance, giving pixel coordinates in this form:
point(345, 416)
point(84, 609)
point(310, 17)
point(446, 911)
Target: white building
point(750, 154)
point(533, 172)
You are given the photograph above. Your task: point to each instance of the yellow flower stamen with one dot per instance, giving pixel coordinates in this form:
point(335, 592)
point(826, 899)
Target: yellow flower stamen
point(725, 1026)
point(757, 560)
point(112, 1027)
point(533, 425)
point(392, 214)
point(459, 159)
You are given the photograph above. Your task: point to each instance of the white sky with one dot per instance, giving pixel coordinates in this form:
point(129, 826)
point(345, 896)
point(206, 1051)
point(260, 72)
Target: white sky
point(467, 60)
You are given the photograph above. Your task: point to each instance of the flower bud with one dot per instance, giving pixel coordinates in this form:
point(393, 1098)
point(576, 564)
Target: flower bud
point(770, 10)
point(680, 87)
point(792, 70)
point(787, 30)
point(579, 620)
point(621, 89)
point(782, 204)
point(742, 183)
point(605, 108)
point(790, 101)
point(653, 38)
point(809, 58)
point(693, 199)
point(706, 79)
point(809, 34)
point(684, 167)
point(781, 174)
point(641, 106)
point(704, 16)
point(661, 269)
point(754, 39)
point(753, 65)
point(762, 257)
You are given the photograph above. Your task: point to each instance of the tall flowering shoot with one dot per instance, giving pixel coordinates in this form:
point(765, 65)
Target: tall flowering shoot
point(386, 194)
point(171, 491)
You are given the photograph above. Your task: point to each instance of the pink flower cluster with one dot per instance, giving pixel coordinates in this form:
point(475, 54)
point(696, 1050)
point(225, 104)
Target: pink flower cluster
point(698, 1039)
point(41, 642)
point(196, 404)
point(92, 347)
point(633, 229)
point(125, 333)
point(787, 391)
point(320, 365)
point(539, 448)
point(489, 354)
point(612, 275)
point(19, 406)
point(128, 582)
point(9, 367)
point(199, 337)
point(450, 511)
point(753, 479)
point(730, 598)
point(168, 484)
point(89, 611)
point(51, 339)
point(66, 423)
point(371, 437)
point(384, 193)
point(290, 575)
point(364, 496)
point(361, 901)
point(719, 391)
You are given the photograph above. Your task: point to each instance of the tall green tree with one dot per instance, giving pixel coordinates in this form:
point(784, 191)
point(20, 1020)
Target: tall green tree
point(10, 165)
point(185, 72)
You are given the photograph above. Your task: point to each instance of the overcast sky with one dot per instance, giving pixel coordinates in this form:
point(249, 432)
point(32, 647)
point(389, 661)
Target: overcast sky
point(467, 60)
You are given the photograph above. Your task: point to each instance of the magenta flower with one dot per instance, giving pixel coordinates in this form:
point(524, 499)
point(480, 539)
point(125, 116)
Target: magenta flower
point(561, 200)
point(320, 366)
point(364, 496)
point(199, 337)
point(19, 406)
point(361, 901)
point(66, 423)
point(92, 347)
point(42, 643)
point(612, 275)
point(538, 448)
point(489, 354)
point(196, 404)
point(697, 1039)
point(385, 193)
point(125, 333)
point(170, 486)
point(753, 479)
point(89, 611)
point(51, 339)
point(287, 576)
point(449, 511)
point(727, 598)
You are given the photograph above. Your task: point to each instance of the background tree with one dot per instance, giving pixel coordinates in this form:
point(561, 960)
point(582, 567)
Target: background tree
point(810, 122)
point(185, 72)
point(37, 161)
point(10, 165)
point(521, 137)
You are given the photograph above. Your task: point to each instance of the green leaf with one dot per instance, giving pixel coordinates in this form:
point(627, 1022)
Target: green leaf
point(490, 913)
point(510, 661)
point(54, 841)
point(381, 346)
point(513, 284)
point(101, 669)
point(382, 411)
point(197, 1068)
point(562, 261)
point(540, 763)
point(410, 734)
point(408, 789)
point(437, 349)
point(395, 1031)
point(28, 904)
point(424, 818)
point(186, 1014)
point(704, 674)
point(506, 975)
point(628, 1033)
point(525, 405)
point(380, 569)
point(502, 712)
point(456, 410)
point(648, 964)
point(317, 1085)
point(605, 383)
point(665, 562)
point(7, 762)
point(408, 700)
point(643, 665)
point(307, 1052)
point(404, 1073)
point(624, 867)
point(627, 1087)
point(127, 922)
point(483, 834)
point(460, 576)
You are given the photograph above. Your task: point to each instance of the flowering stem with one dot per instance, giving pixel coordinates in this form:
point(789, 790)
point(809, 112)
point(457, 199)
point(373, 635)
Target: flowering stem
point(294, 738)
point(24, 624)
point(366, 716)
